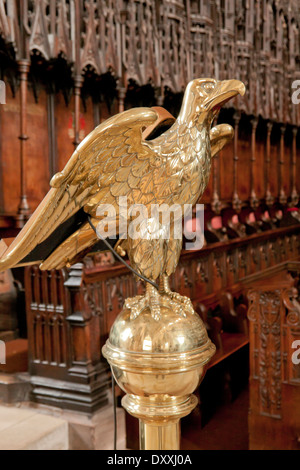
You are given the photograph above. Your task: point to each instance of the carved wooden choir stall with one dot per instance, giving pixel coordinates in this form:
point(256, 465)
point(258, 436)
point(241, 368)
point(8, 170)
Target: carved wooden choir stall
point(67, 66)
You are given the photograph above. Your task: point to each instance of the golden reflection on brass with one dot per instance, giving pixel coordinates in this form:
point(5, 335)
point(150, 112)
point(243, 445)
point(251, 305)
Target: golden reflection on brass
point(158, 346)
point(159, 364)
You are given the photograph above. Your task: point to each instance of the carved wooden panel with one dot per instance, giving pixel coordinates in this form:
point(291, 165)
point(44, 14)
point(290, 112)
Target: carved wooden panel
point(274, 314)
point(169, 43)
point(265, 311)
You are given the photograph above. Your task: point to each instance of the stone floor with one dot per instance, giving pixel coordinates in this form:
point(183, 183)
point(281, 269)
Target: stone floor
point(27, 425)
point(22, 429)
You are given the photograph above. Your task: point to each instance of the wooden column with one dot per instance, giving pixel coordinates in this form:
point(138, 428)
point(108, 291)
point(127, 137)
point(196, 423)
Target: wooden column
point(282, 195)
point(77, 88)
point(121, 47)
point(78, 79)
point(253, 198)
point(268, 196)
point(236, 202)
point(53, 164)
point(23, 208)
point(121, 98)
point(159, 96)
point(96, 114)
point(294, 193)
point(216, 203)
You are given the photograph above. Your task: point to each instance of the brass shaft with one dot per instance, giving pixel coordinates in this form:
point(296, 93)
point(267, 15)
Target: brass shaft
point(158, 436)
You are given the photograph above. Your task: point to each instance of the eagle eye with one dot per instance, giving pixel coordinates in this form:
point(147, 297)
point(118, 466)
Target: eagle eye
point(208, 86)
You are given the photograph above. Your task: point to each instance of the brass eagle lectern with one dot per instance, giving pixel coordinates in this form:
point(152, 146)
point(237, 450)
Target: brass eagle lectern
point(158, 346)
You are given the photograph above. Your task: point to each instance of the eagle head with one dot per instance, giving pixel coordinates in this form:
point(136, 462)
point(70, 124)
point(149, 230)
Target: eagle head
point(204, 97)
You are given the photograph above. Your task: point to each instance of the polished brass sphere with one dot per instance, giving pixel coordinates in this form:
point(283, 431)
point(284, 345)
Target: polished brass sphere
point(158, 357)
point(159, 360)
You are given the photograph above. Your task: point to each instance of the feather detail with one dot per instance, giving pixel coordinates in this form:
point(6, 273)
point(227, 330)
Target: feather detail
point(73, 187)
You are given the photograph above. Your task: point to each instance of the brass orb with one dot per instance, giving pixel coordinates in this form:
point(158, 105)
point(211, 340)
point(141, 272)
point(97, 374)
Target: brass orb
point(164, 357)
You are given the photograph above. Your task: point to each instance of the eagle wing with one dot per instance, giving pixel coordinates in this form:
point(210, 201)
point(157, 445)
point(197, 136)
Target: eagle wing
point(108, 163)
point(81, 241)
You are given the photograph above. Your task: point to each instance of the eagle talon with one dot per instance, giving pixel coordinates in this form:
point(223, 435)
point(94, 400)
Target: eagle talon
point(176, 298)
point(177, 308)
point(135, 305)
point(155, 312)
point(140, 302)
point(182, 299)
point(131, 302)
point(134, 313)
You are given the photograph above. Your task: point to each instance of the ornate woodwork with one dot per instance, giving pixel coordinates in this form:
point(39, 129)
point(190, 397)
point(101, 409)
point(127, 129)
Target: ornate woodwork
point(95, 53)
point(23, 209)
point(70, 313)
point(294, 193)
point(64, 341)
point(274, 314)
point(168, 43)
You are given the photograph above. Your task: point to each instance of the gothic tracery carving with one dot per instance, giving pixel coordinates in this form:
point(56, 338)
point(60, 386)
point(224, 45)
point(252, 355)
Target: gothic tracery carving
point(167, 43)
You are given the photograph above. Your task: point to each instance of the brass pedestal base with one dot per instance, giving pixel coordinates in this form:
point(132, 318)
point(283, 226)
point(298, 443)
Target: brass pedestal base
point(159, 363)
point(159, 419)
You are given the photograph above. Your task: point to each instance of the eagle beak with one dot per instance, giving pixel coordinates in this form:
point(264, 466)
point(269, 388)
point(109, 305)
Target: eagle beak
point(222, 93)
